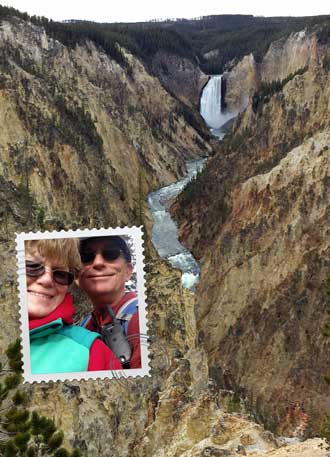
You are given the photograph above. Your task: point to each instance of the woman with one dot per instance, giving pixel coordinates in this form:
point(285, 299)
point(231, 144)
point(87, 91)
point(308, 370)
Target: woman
point(56, 345)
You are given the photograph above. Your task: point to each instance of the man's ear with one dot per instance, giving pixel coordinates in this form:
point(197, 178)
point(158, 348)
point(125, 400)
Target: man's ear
point(129, 271)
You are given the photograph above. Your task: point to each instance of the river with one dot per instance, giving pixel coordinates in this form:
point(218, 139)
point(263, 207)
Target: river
point(165, 232)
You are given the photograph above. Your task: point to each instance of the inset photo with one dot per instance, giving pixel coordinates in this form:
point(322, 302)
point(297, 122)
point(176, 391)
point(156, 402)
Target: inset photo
point(82, 304)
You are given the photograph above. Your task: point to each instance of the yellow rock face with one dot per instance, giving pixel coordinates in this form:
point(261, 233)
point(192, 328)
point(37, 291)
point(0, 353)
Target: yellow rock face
point(314, 447)
point(76, 123)
point(283, 58)
point(264, 248)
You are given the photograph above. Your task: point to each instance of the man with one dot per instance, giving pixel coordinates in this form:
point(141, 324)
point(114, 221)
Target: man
point(106, 267)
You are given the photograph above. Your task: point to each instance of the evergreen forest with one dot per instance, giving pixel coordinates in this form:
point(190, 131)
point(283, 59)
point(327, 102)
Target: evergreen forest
point(229, 37)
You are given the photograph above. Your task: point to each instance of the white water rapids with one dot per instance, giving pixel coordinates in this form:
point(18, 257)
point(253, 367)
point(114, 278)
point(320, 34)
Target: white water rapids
point(165, 233)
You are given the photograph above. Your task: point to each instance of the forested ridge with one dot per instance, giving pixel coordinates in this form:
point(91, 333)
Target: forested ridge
point(231, 36)
point(234, 36)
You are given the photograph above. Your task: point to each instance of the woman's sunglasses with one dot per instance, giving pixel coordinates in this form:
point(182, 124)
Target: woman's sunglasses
point(34, 270)
point(108, 255)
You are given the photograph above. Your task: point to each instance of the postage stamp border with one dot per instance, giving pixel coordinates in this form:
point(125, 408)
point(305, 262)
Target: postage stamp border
point(136, 234)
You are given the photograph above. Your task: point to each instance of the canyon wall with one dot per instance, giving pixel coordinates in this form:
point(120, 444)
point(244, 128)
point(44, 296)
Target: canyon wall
point(83, 139)
point(241, 83)
point(263, 243)
point(284, 57)
point(76, 123)
point(180, 76)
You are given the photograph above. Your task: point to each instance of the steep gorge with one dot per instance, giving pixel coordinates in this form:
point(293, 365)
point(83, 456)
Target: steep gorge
point(82, 141)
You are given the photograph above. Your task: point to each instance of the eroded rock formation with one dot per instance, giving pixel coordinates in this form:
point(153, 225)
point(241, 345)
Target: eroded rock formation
point(77, 123)
point(284, 57)
point(83, 140)
point(264, 248)
point(241, 83)
point(180, 76)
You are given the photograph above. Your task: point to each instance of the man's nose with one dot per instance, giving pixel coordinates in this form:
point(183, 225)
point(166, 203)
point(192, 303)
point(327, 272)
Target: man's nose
point(98, 260)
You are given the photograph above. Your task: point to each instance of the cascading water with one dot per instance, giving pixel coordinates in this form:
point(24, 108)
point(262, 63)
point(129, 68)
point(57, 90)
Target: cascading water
point(210, 106)
point(211, 102)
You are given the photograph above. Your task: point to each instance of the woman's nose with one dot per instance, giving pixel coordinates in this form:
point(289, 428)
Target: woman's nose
point(46, 279)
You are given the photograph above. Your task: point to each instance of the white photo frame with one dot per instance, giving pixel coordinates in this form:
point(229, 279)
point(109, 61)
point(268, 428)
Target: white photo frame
point(136, 234)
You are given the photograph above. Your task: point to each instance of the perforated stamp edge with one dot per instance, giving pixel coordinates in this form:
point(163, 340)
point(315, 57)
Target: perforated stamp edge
point(136, 233)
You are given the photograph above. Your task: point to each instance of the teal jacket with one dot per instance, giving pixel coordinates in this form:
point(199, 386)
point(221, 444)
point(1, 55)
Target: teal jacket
point(57, 346)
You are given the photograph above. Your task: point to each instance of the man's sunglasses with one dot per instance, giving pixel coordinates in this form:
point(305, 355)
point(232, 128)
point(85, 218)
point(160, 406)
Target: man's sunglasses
point(108, 255)
point(35, 269)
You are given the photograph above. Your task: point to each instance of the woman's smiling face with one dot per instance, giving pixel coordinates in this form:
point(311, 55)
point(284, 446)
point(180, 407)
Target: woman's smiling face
point(44, 295)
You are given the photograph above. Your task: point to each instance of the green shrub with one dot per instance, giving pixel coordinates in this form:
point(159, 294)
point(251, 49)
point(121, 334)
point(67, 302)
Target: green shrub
point(24, 434)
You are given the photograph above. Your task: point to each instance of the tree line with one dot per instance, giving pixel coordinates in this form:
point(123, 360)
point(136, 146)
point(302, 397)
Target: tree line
point(143, 43)
point(231, 36)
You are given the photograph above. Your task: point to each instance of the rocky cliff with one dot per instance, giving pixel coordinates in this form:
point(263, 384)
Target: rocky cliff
point(241, 83)
point(264, 247)
point(83, 140)
point(180, 76)
point(76, 123)
point(284, 57)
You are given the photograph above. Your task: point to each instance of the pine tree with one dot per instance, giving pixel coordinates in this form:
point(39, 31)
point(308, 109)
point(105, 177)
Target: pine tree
point(24, 433)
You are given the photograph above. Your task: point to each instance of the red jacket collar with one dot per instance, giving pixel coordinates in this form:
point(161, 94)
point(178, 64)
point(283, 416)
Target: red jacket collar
point(64, 311)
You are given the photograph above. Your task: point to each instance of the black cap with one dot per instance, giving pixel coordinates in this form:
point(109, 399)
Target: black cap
point(113, 241)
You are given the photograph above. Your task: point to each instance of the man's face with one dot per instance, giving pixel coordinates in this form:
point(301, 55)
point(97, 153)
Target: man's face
point(101, 279)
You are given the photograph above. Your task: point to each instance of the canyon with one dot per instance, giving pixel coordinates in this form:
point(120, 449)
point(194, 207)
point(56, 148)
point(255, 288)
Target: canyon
point(242, 361)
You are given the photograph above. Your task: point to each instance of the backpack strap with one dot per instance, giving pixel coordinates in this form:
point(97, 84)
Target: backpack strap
point(126, 312)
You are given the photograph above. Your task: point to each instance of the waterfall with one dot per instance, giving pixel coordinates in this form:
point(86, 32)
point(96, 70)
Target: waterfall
point(211, 102)
point(210, 106)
